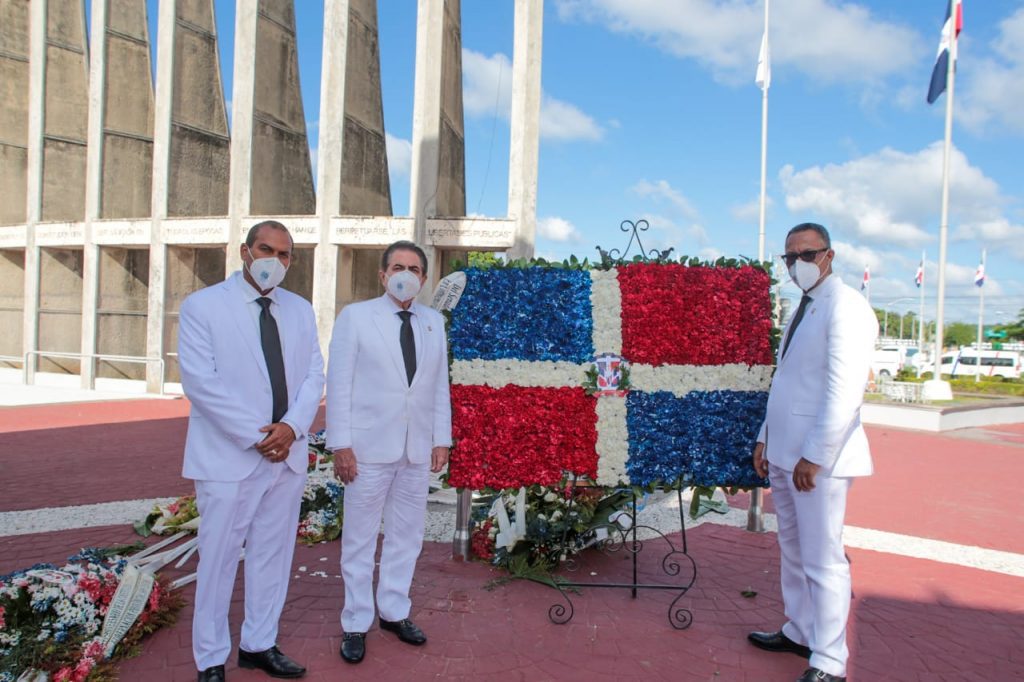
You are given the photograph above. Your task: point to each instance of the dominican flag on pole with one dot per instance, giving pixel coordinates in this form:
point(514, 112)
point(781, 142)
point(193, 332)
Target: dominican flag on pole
point(867, 279)
point(979, 275)
point(954, 18)
point(919, 277)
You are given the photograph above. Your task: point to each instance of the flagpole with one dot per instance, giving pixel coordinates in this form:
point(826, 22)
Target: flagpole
point(764, 145)
point(755, 513)
point(920, 321)
point(981, 317)
point(941, 390)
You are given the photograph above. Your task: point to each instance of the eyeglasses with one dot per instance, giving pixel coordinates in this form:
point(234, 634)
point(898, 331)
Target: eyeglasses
point(807, 256)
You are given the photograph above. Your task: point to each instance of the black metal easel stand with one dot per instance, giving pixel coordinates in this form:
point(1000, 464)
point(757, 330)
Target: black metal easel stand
point(619, 539)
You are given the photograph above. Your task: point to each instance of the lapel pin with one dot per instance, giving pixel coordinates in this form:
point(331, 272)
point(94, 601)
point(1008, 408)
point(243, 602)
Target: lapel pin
point(429, 328)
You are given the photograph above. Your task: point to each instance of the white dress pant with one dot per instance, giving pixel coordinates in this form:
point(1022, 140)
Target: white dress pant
point(398, 492)
point(262, 511)
point(815, 571)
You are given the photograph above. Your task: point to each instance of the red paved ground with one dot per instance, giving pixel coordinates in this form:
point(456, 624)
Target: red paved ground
point(912, 619)
point(957, 486)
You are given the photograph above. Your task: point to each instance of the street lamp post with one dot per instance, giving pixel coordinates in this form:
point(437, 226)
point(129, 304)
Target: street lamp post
point(885, 308)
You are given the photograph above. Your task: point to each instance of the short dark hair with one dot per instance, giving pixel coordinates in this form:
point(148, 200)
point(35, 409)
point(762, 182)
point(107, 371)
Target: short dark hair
point(820, 229)
point(250, 238)
point(403, 245)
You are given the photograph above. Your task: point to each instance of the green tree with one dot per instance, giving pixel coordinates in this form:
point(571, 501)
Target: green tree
point(959, 334)
point(1014, 330)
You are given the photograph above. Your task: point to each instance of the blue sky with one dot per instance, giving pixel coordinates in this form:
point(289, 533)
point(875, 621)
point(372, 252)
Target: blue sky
point(651, 111)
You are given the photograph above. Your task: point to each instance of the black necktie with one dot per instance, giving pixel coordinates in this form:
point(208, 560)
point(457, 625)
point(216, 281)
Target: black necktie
point(271, 342)
point(799, 315)
point(408, 345)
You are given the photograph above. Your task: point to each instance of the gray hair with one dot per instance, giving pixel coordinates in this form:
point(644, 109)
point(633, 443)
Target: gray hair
point(820, 229)
point(403, 245)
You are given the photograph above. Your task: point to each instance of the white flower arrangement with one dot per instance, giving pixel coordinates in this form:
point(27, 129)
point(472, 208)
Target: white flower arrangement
point(606, 302)
point(534, 374)
point(612, 441)
point(681, 379)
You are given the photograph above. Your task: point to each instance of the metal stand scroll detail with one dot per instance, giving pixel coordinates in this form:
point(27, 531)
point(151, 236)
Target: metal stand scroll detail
point(615, 539)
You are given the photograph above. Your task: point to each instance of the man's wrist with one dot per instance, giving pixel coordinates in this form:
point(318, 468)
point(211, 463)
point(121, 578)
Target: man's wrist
point(295, 430)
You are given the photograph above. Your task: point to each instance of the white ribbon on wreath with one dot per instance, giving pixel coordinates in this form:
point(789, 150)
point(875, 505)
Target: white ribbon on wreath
point(510, 533)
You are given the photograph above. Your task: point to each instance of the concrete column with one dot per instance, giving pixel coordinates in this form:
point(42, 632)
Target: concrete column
point(331, 148)
point(243, 96)
point(199, 155)
point(163, 112)
point(525, 128)
point(93, 187)
point(426, 125)
point(34, 173)
point(14, 109)
point(282, 183)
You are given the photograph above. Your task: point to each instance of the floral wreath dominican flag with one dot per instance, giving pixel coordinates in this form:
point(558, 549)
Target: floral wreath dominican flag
point(696, 341)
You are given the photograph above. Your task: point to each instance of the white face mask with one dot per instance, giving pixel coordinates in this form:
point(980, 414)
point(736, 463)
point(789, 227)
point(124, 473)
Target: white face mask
point(804, 275)
point(266, 272)
point(403, 285)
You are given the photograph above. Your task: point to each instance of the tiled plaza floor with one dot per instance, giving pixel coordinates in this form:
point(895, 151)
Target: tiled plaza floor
point(912, 619)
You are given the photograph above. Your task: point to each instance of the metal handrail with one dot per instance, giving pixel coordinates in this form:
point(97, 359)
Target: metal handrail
point(96, 356)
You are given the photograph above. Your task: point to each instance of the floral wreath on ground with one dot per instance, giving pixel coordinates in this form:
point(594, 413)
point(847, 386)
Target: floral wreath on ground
point(558, 522)
point(634, 375)
point(51, 618)
point(320, 516)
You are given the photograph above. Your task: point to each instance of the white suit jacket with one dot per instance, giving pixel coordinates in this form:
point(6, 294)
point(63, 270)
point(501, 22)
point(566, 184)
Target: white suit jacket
point(225, 377)
point(370, 405)
point(818, 387)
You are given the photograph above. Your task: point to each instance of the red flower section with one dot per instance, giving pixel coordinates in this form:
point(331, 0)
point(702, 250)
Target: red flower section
point(515, 436)
point(678, 315)
point(481, 543)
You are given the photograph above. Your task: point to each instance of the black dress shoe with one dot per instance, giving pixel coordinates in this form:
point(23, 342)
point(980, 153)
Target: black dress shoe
point(777, 641)
point(353, 646)
point(405, 629)
point(272, 662)
point(816, 675)
point(214, 674)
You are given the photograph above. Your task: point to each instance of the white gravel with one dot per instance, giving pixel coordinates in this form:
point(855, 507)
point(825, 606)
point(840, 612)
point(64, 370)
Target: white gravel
point(50, 519)
point(661, 512)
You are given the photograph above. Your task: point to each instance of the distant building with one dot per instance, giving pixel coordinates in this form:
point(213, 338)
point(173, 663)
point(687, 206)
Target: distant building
point(119, 201)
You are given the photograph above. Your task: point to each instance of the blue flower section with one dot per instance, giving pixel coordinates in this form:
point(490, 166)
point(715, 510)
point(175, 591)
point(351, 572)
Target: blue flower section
point(705, 438)
point(523, 314)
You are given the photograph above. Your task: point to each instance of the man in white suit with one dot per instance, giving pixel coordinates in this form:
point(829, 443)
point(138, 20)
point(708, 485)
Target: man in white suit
point(389, 425)
point(812, 446)
point(252, 369)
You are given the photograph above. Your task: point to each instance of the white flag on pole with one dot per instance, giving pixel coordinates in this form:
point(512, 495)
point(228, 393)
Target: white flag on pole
point(764, 66)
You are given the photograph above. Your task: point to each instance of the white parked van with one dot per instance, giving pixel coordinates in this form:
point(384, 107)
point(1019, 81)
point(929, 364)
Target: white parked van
point(888, 361)
point(968, 362)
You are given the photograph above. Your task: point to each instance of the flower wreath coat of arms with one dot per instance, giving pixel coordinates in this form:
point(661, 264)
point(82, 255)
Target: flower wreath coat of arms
point(643, 373)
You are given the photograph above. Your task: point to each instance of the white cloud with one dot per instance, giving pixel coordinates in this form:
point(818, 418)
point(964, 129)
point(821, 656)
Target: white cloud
point(399, 153)
point(709, 254)
point(821, 38)
point(750, 212)
point(850, 260)
point(557, 230)
point(487, 88)
point(661, 189)
point(994, 86)
point(486, 84)
point(563, 121)
point(891, 197)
